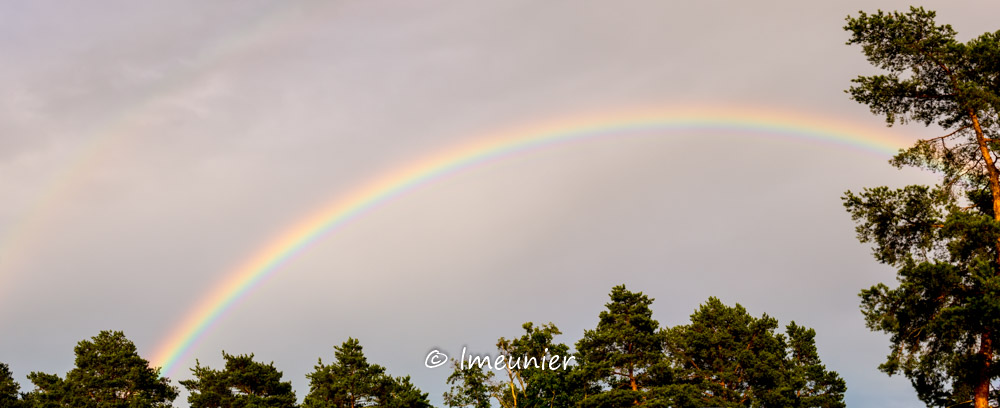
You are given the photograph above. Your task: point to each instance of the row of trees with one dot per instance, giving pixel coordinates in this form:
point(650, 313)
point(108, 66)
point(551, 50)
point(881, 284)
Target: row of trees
point(109, 373)
point(725, 358)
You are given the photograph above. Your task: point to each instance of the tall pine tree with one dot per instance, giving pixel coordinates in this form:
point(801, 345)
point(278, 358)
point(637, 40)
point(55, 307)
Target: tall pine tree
point(943, 317)
point(620, 355)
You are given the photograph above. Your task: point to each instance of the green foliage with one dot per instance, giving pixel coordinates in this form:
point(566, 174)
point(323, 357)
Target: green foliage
point(109, 373)
point(808, 378)
point(9, 389)
point(620, 355)
point(538, 371)
point(936, 318)
point(50, 392)
point(727, 358)
point(903, 222)
point(537, 382)
point(351, 381)
point(399, 392)
point(724, 358)
point(244, 383)
point(730, 357)
point(945, 241)
point(932, 78)
point(471, 386)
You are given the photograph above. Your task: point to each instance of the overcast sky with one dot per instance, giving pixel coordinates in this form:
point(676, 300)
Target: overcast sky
point(148, 149)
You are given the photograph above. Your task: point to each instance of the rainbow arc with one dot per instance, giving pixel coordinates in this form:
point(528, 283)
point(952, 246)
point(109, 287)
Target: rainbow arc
point(268, 259)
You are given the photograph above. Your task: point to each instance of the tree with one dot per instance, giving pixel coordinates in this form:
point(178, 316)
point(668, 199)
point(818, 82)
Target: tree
point(399, 392)
point(9, 389)
point(543, 372)
point(728, 358)
point(471, 386)
point(243, 383)
point(50, 391)
point(109, 373)
point(813, 385)
point(538, 371)
point(944, 316)
point(621, 354)
point(351, 381)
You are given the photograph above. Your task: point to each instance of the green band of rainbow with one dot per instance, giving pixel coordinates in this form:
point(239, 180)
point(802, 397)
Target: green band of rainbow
point(758, 123)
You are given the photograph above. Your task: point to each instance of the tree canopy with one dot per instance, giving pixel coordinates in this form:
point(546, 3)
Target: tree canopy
point(619, 355)
point(351, 381)
point(10, 396)
point(539, 373)
point(243, 383)
point(727, 358)
point(109, 373)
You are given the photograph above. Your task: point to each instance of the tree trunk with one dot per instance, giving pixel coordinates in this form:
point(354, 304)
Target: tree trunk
point(981, 389)
point(631, 378)
point(982, 386)
point(635, 387)
point(991, 169)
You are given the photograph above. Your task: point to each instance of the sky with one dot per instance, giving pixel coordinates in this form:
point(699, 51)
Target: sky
point(148, 150)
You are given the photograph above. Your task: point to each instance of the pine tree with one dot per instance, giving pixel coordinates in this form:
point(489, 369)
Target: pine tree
point(109, 373)
point(620, 355)
point(944, 315)
point(351, 382)
point(243, 383)
point(9, 389)
point(727, 358)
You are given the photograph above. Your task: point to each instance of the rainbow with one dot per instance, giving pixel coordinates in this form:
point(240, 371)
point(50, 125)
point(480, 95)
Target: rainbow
point(269, 258)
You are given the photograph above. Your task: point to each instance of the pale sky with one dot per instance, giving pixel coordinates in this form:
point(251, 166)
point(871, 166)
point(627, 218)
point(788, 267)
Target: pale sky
point(147, 150)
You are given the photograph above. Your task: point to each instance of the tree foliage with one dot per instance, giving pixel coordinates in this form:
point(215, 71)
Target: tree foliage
point(727, 358)
point(351, 381)
point(724, 357)
point(243, 383)
point(471, 386)
point(944, 315)
point(538, 372)
point(619, 356)
point(10, 396)
point(399, 392)
point(109, 373)
point(547, 377)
